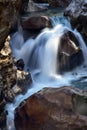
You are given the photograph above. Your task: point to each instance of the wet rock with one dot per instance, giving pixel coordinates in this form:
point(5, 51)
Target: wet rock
point(8, 17)
point(23, 81)
point(20, 64)
point(77, 13)
point(36, 22)
point(2, 113)
point(9, 95)
point(53, 109)
point(69, 54)
point(2, 120)
point(7, 79)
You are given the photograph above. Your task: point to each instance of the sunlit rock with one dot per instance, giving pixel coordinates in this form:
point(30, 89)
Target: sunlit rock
point(53, 109)
point(7, 79)
point(23, 81)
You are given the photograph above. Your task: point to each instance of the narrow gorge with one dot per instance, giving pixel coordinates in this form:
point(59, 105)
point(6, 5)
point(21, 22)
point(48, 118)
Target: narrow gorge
point(48, 67)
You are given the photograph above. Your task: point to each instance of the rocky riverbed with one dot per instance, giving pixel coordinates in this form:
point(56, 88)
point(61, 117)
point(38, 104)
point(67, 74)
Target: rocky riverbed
point(59, 109)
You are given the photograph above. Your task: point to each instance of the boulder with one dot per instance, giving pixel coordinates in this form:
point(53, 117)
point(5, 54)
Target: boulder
point(8, 17)
point(69, 52)
point(36, 23)
point(77, 13)
point(53, 109)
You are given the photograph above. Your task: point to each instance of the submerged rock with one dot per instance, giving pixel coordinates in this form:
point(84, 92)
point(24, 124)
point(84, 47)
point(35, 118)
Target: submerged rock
point(77, 13)
point(53, 109)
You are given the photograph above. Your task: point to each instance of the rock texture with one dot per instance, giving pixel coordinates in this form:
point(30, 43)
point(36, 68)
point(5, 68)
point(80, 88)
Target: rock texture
point(69, 53)
point(12, 80)
point(53, 109)
point(36, 22)
point(8, 17)
point(24, 6)
point(77, 12)
point(7, 79)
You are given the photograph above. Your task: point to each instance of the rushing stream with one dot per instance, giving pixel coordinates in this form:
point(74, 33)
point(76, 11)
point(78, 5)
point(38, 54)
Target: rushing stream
point(40, 57)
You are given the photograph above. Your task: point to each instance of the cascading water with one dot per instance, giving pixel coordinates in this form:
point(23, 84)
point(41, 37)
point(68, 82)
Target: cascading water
point(60, 20)
point(40, 56)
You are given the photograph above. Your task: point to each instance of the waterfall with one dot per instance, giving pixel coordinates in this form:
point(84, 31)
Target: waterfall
point(82, 45)
point(40, 56)
point(60, 20)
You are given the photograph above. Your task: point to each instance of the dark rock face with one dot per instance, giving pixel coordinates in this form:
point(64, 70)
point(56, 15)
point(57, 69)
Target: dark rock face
point(55, 3)
point(53, 109)
point(69, 54)
point(24, 5)
point(77, 12)
point(38, 22)
point(20, 64)
point(8, 17)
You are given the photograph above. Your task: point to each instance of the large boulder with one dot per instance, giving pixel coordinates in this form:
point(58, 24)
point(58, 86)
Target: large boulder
point(36, 22)
point(53, 109)
point(77, 12)
point(69, 52)
point(8, 17)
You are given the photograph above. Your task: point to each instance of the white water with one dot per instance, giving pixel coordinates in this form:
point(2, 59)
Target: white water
point(60, 20)
point(40, 56)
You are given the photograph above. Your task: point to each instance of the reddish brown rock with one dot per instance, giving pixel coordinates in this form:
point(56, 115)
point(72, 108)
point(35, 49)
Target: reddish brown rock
point(52, 109)
point(38, 22)
point(69, 53)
